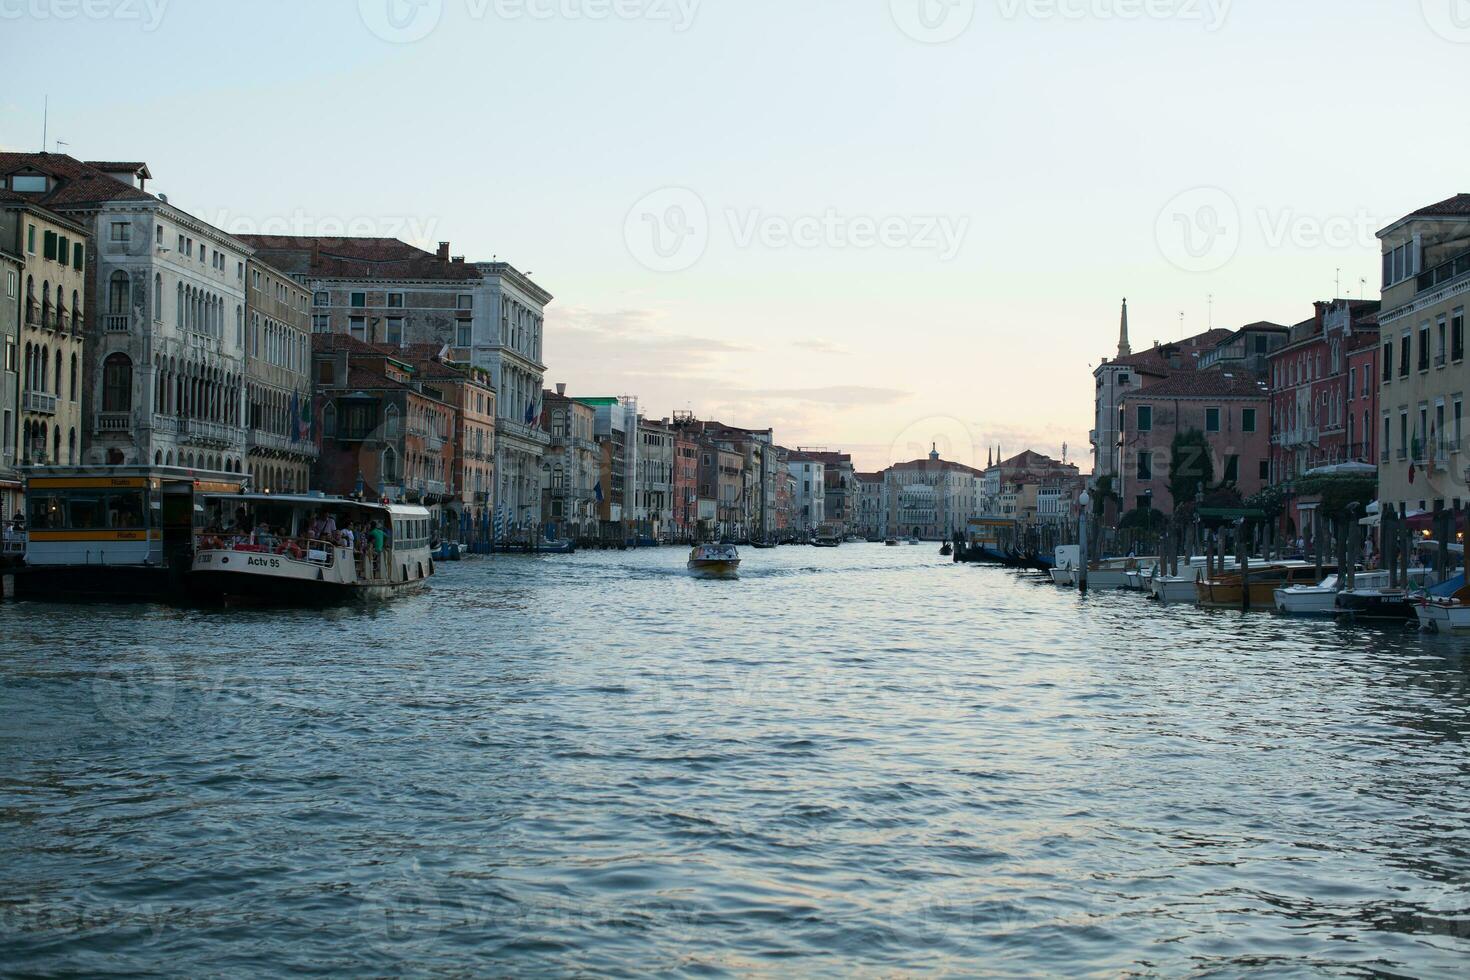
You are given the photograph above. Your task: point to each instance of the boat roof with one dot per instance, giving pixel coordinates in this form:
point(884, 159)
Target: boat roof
point(315, 501)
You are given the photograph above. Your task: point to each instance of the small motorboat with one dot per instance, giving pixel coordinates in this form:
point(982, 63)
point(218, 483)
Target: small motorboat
point(1440, 613)
point(891, 543)
point(762, 545)
point(947, 550)
point(714, 561)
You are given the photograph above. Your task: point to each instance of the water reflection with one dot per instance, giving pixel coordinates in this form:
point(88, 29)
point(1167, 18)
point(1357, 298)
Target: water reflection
point(860, 761)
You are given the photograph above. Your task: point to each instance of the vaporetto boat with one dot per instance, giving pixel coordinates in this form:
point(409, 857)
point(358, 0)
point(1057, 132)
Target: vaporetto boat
point(291, 550)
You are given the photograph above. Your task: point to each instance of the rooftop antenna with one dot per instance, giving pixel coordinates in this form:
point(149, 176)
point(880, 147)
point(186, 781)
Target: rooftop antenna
point(45, 122)
point(1181, 324)
point(1362, 284)
point(1212, 312)
point(1338, 291)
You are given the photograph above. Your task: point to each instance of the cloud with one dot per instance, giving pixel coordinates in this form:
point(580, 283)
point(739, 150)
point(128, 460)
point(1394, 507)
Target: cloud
point(819, 346)
point(630, 343)
point(836, 395)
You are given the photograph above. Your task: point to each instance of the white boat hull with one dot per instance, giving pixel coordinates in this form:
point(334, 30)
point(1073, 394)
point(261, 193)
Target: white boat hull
point(1443, 617)
point(1063, 576)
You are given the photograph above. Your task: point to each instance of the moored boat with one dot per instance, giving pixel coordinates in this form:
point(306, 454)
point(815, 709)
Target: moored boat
point(292, 550)
point(1378, 602)
point(714, 561)
point(1445, 614)
point(1229, 591)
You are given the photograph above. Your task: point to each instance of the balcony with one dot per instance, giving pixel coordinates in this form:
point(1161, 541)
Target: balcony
point(525, 433)
point(166, 423)
point(117, 322)
point(275, 442)
point(214, 435)
point(434, 443)
point(38, 402)
point(1443, 273)
point(114, 422)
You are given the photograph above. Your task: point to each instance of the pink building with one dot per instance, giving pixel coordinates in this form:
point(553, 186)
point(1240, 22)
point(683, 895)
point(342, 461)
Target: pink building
point(1324, 390)
point(1232, 411)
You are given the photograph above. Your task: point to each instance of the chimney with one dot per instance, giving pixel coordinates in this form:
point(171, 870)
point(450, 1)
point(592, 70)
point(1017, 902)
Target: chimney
point(443, 252)
point(561, 388)
point(316, 253)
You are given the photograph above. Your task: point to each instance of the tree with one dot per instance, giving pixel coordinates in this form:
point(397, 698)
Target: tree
point(1191, 467)
point(1143, 519)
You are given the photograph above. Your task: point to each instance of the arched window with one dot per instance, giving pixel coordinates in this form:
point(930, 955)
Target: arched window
point(31, 300)
point(180, 309)
point(46, 318)
point(329, 421)
point(76, 312)
point(390, 466)
point(117, 293)
point(158, 296)
point(56, 387)
point(390, 423)
point(117, 384)
point(71, 448)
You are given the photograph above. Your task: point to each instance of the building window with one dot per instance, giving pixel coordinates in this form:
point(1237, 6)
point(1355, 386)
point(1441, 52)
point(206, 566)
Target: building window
point(321, 323)
point(395, 301)
point(329, 421)
point(122, 231)
point(1232, 469)
point(1388, 360)
point(465, 302)
point(1248, 420)
point(1145, 466)
point(1145, 418)
point(1424, 347)
point(465, 336)
point(1264, 471)
point(395, 331)
point(117, 384)
point(1457, 335)
point(359, 300)
point(1405, 346)
point(321, 298)
point(1457, 432)
point(390, 423)
point(1212, 420)
point(357, 326)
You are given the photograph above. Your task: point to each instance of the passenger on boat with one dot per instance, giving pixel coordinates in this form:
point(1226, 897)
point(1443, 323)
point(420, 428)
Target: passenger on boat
point(377, 539)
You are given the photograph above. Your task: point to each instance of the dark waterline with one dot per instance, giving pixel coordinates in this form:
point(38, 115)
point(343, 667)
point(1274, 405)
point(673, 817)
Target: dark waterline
point(855, 762)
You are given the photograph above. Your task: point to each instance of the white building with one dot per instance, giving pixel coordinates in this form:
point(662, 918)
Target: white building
point(654, 503)
point(166, 364)
point(932, 498)
point(811, 491)
point(509, 319)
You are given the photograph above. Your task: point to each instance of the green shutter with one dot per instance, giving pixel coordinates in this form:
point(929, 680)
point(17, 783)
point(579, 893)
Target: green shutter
point(48, 250)
point(77, 251)
point(63, 249)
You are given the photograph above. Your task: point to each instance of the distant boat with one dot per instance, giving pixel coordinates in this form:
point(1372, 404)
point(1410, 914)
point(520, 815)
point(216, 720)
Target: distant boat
point(891, 542)
point(762, 545)
point(715, 561)
point(827, 537)
point(947, 550)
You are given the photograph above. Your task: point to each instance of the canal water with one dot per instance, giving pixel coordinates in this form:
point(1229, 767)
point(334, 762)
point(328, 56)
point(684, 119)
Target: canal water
point(856, 762)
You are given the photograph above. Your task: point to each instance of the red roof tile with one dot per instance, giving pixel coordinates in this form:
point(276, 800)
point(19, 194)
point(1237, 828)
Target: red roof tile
point(77, 183)
point(1201, 384)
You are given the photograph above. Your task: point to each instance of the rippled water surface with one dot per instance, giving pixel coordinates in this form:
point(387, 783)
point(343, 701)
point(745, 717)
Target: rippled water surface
point(856, 762)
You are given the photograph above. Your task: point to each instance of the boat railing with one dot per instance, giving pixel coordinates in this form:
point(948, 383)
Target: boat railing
point(308, 550)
